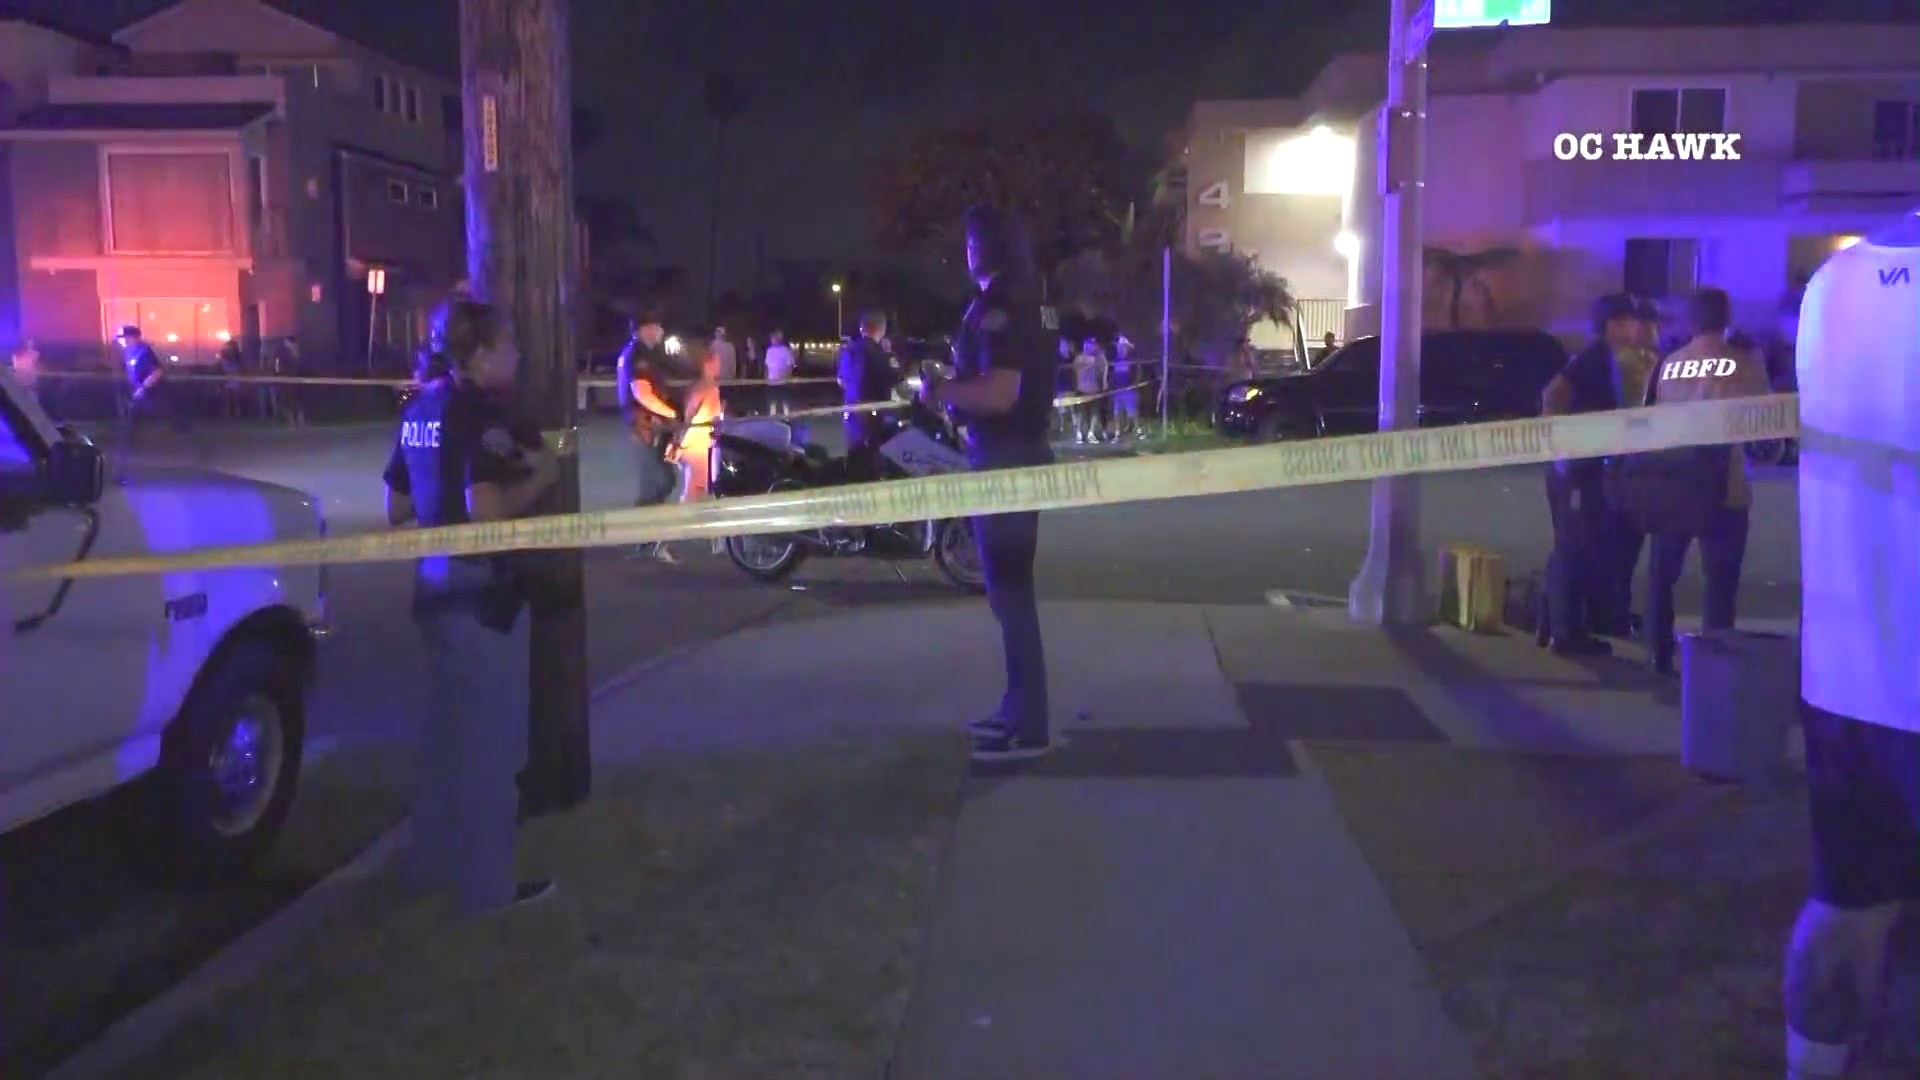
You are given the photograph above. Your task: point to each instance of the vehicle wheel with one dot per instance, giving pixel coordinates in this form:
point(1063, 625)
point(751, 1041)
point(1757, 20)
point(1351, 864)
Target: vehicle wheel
point(958, 557)
point(765, 558)
point(229, 765)
point(1769, 451)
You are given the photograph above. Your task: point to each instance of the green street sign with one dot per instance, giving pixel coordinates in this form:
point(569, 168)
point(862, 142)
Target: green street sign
point(1467, 14)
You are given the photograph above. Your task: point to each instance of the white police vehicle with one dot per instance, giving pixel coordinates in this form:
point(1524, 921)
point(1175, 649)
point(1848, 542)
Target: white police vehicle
point(193, 684)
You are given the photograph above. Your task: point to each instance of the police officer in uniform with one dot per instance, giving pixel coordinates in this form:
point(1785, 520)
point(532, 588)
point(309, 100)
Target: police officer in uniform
point(1005, 366)
point(148, 397)
point(651, 406)
point(457, 459)
point(867, 375)
point(1584, 564)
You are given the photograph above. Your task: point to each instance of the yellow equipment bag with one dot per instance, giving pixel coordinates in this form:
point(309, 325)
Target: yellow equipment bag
point(1473, 586)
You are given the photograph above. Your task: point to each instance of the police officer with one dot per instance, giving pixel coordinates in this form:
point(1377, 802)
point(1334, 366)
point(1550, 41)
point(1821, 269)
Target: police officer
point(1005, 361)
point(457, 459)
point(1584, 565)
point(651, 404)
point(867, 375)
point(147, 399)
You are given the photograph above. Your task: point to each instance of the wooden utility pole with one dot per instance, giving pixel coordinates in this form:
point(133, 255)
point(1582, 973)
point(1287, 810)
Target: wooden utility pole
point(517, 105)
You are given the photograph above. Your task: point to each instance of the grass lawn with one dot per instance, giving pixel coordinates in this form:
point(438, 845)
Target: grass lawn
point(1604, 918)
point(735, 917)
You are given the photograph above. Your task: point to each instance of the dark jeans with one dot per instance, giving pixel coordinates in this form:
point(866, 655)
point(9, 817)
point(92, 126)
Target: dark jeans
point(1581, 569)
point(1723, 548)
point(1007, 544)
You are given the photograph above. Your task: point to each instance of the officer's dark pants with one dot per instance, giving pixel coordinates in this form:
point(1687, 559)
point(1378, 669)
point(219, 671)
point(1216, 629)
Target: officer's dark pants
point(657, 478)
point(1007, 544)
point(1625, 542)
point(155, 408)
point(1581, 565)
point(1723, 548)
point(466, 801)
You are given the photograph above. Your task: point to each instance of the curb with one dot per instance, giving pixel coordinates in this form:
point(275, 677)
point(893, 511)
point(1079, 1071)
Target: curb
point(240, 961)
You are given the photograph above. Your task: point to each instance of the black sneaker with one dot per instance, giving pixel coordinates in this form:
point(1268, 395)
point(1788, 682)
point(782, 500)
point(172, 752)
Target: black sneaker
point(532, 892)
point(999, 744)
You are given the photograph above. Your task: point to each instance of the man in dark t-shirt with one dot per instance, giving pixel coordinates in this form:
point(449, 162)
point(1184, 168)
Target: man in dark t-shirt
point(149, 398)
point(1005, 367)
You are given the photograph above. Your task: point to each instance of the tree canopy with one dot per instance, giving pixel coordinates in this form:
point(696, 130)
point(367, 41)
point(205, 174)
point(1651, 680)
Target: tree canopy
point(1065, 174)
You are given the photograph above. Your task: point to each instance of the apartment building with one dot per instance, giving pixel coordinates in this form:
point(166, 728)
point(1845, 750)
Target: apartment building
point(1829, 126)
point(222, 170)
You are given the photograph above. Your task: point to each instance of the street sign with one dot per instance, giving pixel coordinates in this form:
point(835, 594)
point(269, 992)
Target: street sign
point(1419, 29)
point(376, 281)
point(1467, 14)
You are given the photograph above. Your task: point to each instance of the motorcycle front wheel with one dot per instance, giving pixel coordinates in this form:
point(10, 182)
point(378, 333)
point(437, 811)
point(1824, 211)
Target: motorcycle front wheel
point(957, 556)
point(769, 558)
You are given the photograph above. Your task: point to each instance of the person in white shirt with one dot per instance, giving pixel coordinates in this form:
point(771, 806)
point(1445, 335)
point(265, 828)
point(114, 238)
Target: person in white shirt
point(1090, 377)
point(779, 370)
point(1858, 362)
point(723, 352)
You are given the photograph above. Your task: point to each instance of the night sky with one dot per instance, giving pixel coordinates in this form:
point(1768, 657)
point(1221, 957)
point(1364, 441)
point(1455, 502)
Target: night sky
point(836, 83)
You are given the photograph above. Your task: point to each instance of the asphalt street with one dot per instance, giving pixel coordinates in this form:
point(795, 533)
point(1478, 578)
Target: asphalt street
point(83, 939)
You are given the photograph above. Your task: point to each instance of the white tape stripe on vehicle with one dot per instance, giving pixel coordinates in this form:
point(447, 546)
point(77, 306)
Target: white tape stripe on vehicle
point(1099, 482)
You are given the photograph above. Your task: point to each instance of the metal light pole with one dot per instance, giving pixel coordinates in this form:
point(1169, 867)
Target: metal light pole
point(1390, 590)
point(839, 312)
point(1166, 339)
point(516, 89)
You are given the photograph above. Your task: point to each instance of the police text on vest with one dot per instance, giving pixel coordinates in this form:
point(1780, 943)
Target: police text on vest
point(420, 434)
point(1716, 367)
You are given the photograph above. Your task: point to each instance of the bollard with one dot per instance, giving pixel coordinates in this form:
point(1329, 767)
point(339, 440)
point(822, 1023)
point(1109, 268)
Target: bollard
point(1738, 696)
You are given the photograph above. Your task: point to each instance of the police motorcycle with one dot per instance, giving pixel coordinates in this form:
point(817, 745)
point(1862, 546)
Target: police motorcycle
point(762, 456)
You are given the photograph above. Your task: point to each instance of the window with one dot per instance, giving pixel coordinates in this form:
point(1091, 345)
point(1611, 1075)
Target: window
point(182, 331)
point(450, 113)
point(397, 192)
point(410, 104)
point(380, 93)
point(170, 203)
point(429, 198)
point(1896, 130)
point(256, 190)
point(1658, 269)
point(1692, 109)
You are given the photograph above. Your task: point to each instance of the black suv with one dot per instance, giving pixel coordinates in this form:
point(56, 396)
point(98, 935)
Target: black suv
point(1466, 376)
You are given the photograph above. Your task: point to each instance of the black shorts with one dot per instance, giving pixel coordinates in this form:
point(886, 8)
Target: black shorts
point(1863, 792)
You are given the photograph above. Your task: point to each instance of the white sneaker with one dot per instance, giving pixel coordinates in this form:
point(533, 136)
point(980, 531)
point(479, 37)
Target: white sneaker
point(664, 553)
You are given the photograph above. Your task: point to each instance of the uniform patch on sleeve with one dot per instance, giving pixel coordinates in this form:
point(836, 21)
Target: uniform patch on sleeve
point(994, 321)
point(498, 441)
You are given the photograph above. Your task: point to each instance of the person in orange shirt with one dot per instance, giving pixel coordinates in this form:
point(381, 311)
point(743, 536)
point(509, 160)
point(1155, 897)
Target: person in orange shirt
point(693, 451)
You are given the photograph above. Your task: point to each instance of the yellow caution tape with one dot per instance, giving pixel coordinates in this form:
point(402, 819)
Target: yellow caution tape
point(1100, 482)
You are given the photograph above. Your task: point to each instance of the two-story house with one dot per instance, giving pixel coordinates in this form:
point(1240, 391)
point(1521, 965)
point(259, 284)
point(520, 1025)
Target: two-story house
point(1829, 126)
point(225, 170)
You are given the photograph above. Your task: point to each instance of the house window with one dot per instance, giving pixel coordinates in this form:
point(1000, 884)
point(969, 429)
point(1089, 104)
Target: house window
point(397, 192)
point(410, 104)
point(1896, 130)
point(429, 198)
point(380, 93)
point(170, 203)
point(1658, 269)
point(1691, 109)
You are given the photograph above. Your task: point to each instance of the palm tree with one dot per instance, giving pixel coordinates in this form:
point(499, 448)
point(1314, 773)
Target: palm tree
point(1466, 269)
point(725, 101)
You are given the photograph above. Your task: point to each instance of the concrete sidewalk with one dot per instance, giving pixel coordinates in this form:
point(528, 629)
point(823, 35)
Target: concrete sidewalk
point(1173, 894)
